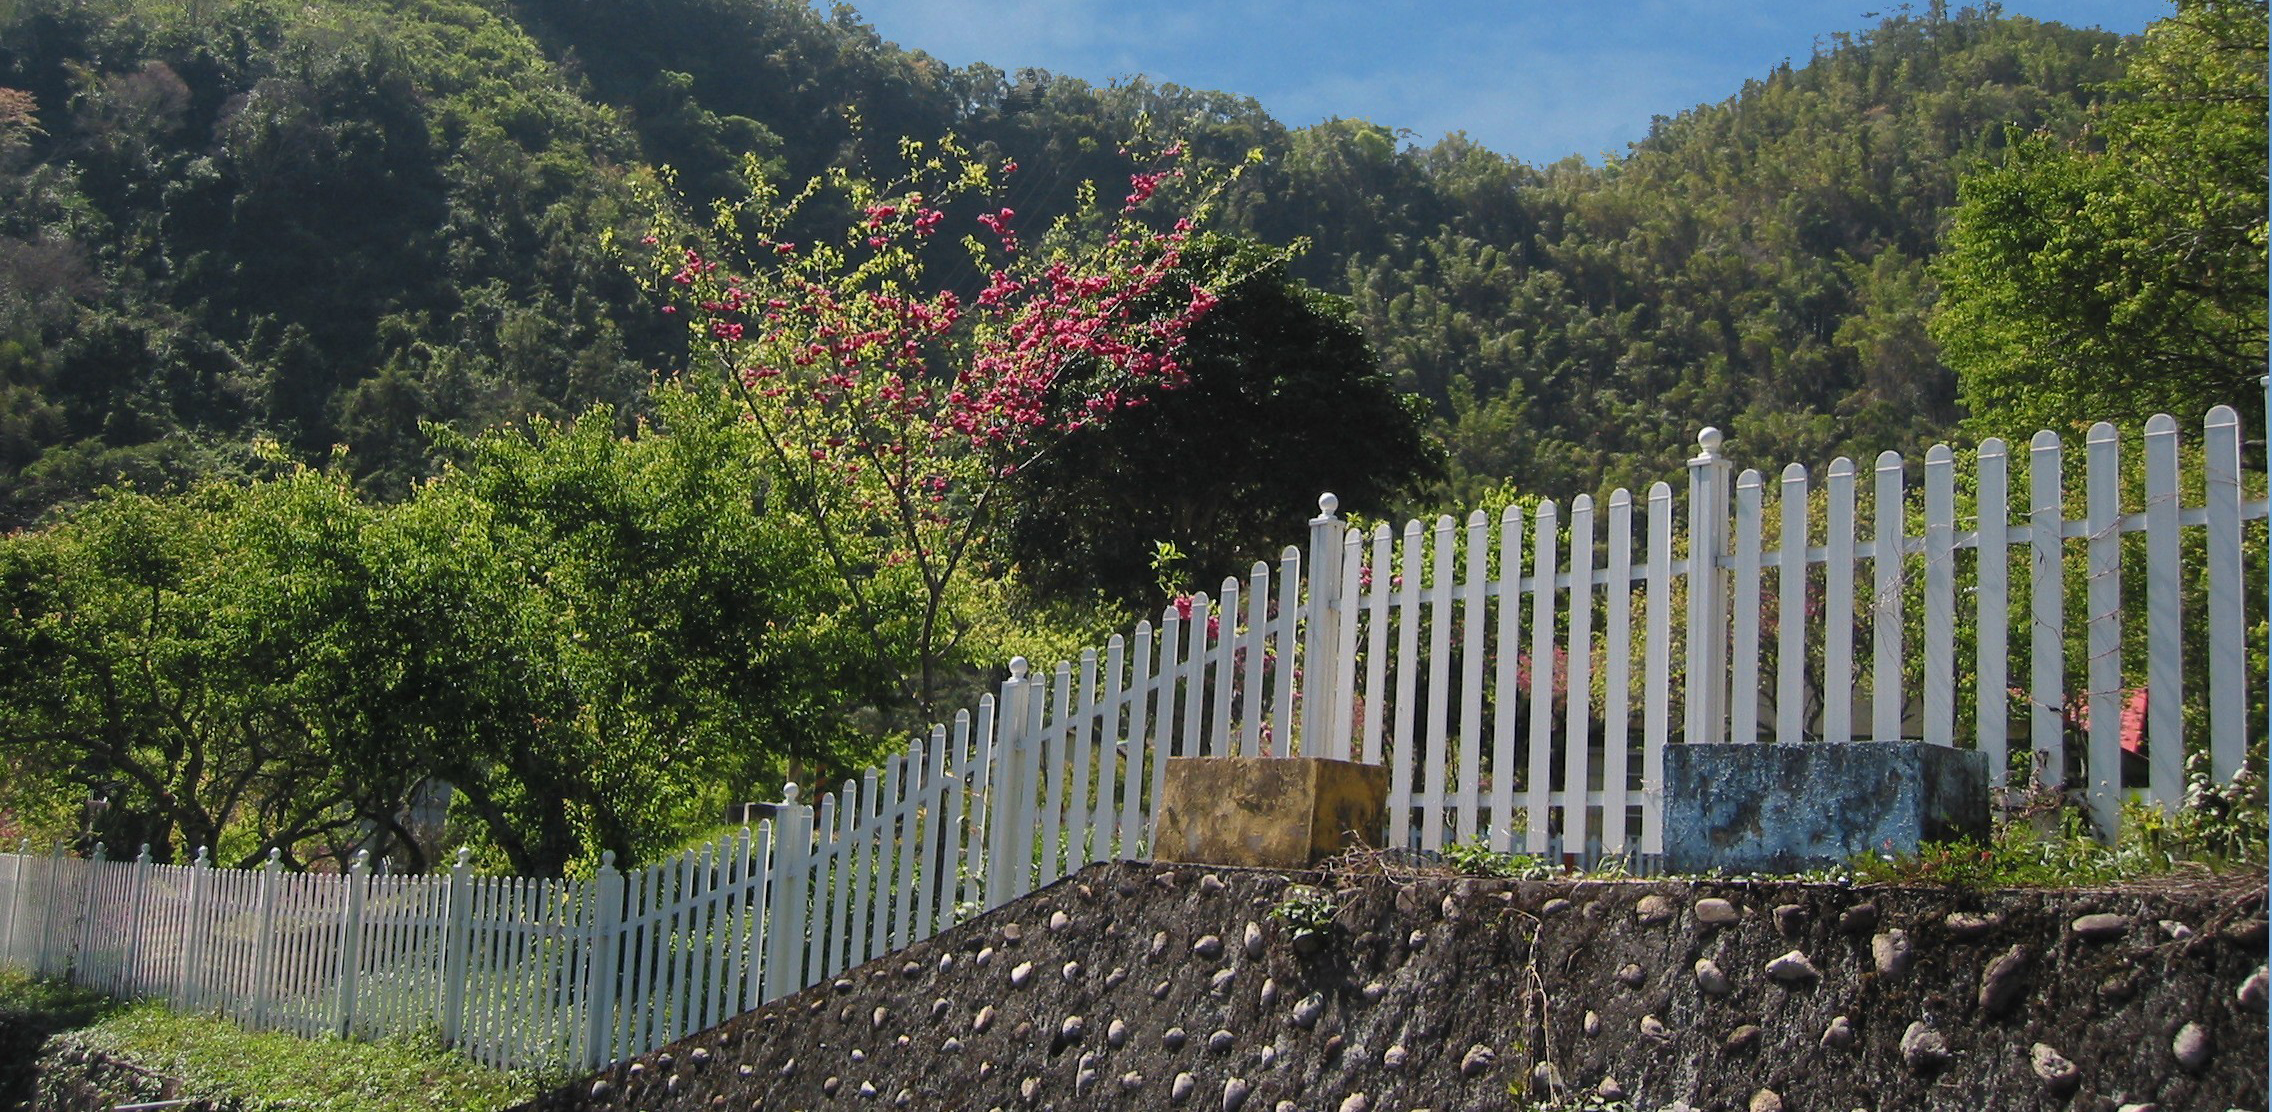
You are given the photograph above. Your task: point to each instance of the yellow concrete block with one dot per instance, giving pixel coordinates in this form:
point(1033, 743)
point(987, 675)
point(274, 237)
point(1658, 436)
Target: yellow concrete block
point(1268, 812)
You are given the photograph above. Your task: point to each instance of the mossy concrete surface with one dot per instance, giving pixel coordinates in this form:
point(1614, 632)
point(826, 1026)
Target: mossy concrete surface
point(1269, 812)
point(1163, 987)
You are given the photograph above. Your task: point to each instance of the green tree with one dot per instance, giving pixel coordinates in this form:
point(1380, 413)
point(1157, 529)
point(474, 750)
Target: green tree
point(2123, 272)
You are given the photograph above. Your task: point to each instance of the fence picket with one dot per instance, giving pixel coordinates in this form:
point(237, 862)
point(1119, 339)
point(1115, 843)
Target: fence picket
point(1743, 654)
point(2165, 646)
point(2047, 613)
point(1377, 640)
point(1992, 564)
point(1656, 684)
point(1617, 675)
point(2103, 595)
point(1472, 621)
point(1577, 684)
point(1838, 606)
point(1506, 690)
point(1537, 780)
point(1940, 596)
point(1404, 751)
point(2228, 699)
point(1886, 660)
point(1791, 609)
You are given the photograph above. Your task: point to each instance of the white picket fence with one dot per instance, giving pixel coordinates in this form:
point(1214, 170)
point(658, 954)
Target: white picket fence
point(1520, 674)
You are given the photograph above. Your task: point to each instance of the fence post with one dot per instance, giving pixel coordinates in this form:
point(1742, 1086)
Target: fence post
point(455, 941)
point(603, 941)
point(264, 938)
point(1706, 681)
point(351, 941)
point(1007, 843)
point(1322, 573)
point(785, 896)
point(82, 939)
point(137, 912)
point(193, 930)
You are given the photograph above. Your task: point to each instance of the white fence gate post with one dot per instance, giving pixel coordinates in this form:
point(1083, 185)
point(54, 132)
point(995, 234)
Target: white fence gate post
point(1008, 837)
point(456, 938)
point(1321, 703)
point(1706, 680)
point(264, 940)
point(82, 936)
point(193, 931)
point(602, 944)
point(137, 910)
point(786, 915)
point(14, 907)
point(351, 941)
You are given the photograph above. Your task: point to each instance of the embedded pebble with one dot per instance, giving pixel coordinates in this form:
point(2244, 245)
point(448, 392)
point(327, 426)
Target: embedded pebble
point(1861, 918)
point(700, 1055)
point(1072, 972)
point(1210, 884)
point(939, 1008)
point(1307, 1010)
point(1160, 991)
point(1012, 933)
point(1741, 1039)
point(1253, 940)
point(1172, 1038)
point(1020, 975)
point(1131, 1081)
point(1084, 1080)
point(1234, 1094)
point(1208, 946)
point(2100, 927)
point(601, 1088)
point(1268, 1058)
point(903, 1098)
point(1374, 991)
point(1220, 983)
point(1630, 975)
point(1654, 1028)
point(867, 1090)
point(858, 1056)
point(911, 970)
point(2149, 1106)
point(2191, 1046)
point(1712, 911)
point(2253, 990)
point(1652, 909)
point(2000, 982)
point(1790, 919)
point(787, 1068)
point(1220, 1042)
point(1766, 1100)
point(1555, 906)
point(1028, 1087)
point(984, 1020)
point(1709, 979)
point(985, 956)
point(828, 1086)
point(1891, 951)
point(1394, 1058)
point(2059, 1075)
point(745, 1070)
point(1793, 969)
point(1923, 1048)
point(946, 963)
point(1591, 1025)
point(953, 1045)
point(843, 986)
point(1478, 1059)
point(1609, 1090)
point(1159, 943)
point(1113, 979)
point(1965, 924)
point(1269, 995)
point(1072, 1029)
point(1059, 921)
point(1416, 940)
point(1181, 1089)
point(1355, 1102)
point(1840, 1034)
point(2178, 932)
point(1116, 1034)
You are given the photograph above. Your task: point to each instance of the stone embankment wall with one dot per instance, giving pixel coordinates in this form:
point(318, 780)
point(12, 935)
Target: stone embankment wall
point(1156, 987)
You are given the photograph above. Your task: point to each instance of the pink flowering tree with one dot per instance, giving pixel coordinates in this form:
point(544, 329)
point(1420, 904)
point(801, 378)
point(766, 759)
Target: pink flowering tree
point(895, 405)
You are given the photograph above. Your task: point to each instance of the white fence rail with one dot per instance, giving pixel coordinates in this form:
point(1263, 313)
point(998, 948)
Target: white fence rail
point(1520, 674)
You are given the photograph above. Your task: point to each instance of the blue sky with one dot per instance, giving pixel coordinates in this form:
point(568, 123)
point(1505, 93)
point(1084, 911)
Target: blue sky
point(1538, 79)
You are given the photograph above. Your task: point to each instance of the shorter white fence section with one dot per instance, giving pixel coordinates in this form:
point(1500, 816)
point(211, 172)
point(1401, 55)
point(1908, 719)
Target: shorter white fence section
point(1520, 674)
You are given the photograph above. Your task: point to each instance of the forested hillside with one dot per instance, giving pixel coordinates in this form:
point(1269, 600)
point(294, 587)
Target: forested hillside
point(324, 223)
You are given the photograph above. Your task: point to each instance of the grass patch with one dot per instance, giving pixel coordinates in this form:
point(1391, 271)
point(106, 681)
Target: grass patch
point(260, 1071)
point(48, 1005)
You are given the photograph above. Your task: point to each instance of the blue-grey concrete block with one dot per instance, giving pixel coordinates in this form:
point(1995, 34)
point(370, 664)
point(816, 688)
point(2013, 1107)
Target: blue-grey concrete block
point(1787, 808)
